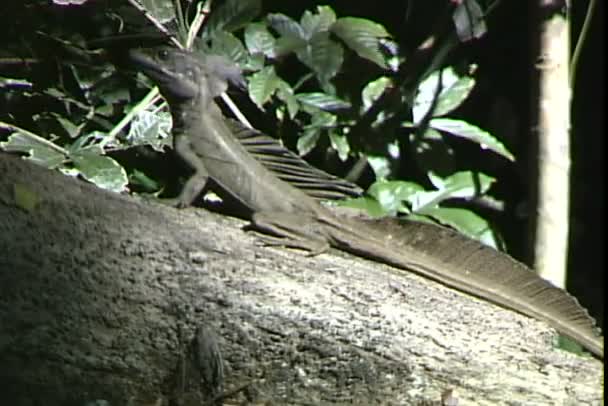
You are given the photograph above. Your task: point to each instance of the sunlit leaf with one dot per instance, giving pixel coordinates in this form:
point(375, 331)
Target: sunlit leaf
point(322, 101)
point(373, 90)
point(340, 143)
point(470, 132)
point(465, 221)
point(454, 90)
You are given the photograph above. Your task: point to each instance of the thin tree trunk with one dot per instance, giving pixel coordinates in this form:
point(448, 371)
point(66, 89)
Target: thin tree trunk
point(553, 138)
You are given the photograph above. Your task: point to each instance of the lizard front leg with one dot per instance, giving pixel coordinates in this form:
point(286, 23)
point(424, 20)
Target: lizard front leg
point(291, 230)
point(195, 184)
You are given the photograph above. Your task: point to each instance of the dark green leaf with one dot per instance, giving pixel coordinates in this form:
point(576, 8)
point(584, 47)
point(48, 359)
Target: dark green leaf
point(285, 26)
point(323, 55)
point(362, 36)
point(469, 20)
point(231, 15)
point(226, 44)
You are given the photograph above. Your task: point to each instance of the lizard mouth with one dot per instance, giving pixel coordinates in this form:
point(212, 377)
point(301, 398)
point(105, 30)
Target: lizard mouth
point(171, 84)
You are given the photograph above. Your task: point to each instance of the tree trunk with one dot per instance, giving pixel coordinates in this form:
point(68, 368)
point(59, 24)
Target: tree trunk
point(101, 296)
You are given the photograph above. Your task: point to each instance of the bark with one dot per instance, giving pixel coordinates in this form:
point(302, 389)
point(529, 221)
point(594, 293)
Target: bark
point(101, 296)
point(553, 137)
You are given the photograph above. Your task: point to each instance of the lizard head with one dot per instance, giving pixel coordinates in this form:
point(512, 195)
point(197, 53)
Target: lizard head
point(185, 76)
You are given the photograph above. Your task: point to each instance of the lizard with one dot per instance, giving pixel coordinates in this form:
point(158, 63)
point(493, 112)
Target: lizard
point(289, 217)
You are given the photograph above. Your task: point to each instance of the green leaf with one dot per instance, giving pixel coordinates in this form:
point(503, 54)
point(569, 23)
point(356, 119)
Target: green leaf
point(459, 185)
point(322, 101)
point(40, 152)
point(259, 41)
point(153, 129)
point(285, 26)
point(373, 90)
point(262, 85)
point(308, 140)
point(465, 221)
point(339, 142)
point(454, 90)
point(161, 10)
point(381, 166)
point(231, 15)
point(366, 203)
point(226, 44)
point(100, 170)
point(287, 44)
point(285, 94)
point(472, 133)
point(70, 128)
point(139, 179)
point(314, 23)
point(463, 184)
point(322, 55)
point(391, 194)
point(362, 36)
point(469, 21)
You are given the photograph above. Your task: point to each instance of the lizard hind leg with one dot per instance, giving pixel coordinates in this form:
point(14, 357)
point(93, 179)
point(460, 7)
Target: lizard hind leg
point(289, 230)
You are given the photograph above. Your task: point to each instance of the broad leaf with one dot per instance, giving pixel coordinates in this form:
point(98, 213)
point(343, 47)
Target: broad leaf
point(226, 44)
point(454, 90)
point(262, 85)
point(323, 55)
point(103, 171)
point(38, 151)
point(362, 36)
point(339, 142)
point(259, 41)
point(285, 26)
point(470, 132)
point(465, 221)
point(314, 23)
point(231, 15)
point(322, 101)
point(391, 194)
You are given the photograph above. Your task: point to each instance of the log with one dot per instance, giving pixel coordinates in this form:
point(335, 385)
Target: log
point(108, 297)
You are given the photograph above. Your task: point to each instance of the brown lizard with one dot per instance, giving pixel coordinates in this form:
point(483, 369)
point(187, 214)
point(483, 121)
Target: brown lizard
point(206, 142)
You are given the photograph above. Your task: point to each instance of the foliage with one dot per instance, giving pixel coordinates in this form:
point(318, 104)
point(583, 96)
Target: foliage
point(313, 109)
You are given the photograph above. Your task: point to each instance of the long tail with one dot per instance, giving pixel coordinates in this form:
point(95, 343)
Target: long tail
point(462, 263)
